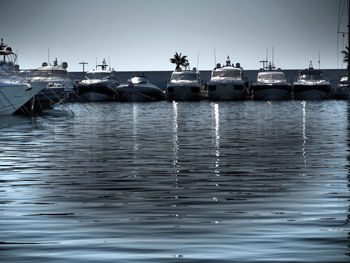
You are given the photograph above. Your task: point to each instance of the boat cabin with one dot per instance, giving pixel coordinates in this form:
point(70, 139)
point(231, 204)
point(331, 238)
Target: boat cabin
point(310, 74)
point(186, 75)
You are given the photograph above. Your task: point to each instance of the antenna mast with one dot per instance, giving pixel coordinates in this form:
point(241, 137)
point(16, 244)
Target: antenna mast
point(197, 59)
point(319, 59)
point(215, 56)
point(83, 63)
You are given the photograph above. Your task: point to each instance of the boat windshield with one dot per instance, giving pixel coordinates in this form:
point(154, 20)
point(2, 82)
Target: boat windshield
point(100, 75)
point(185, 76)
point(226, 73)
point(271, 76)
point(50, 73)
point(7, 60)
point(311, 76)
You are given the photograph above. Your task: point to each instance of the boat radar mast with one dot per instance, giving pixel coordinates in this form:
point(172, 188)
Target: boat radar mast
point(310, 65)
point(2, 45)
point(228, 61)
point(103, 65)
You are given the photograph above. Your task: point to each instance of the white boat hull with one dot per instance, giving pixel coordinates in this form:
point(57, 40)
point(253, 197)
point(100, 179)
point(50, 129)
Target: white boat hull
point(13, 96)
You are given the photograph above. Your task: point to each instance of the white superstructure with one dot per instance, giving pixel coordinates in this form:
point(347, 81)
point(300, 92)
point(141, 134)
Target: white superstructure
point(14, 89)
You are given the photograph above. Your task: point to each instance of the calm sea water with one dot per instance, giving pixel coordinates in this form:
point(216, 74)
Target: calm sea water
point(177, 182)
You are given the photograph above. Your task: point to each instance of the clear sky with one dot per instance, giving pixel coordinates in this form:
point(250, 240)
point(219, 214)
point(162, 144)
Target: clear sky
point(141, 35)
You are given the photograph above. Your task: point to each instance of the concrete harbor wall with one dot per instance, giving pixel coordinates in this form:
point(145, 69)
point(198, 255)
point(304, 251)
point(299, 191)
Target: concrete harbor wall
point(160, 78)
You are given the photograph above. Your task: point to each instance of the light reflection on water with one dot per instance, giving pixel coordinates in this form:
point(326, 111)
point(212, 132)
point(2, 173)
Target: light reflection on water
point(176, 182)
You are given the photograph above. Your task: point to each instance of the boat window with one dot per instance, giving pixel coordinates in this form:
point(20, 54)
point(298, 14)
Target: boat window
point(311, 76)
point(271, 76)
point(98, 75)
point(226, 73)
point(185, 76)
point(7, 60)
point(50, 73)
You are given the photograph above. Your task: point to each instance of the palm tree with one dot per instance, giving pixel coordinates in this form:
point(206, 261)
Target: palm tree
point(346, 55)
point(179, 60)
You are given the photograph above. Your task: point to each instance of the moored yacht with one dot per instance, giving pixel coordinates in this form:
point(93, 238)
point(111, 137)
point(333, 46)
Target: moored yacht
point(227, 83)
point(139, 88)
point(342, 90)
point(311, 85)
point(59, 87)
point(99, 84)
point(271, 84)
point(185, 85)
point(15, 90)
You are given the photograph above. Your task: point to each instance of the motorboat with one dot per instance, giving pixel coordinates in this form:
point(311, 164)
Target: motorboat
point(185, 85)
point(342, 90)
point(311, 85)
point(139, 88)
point(227, 83)
point(59, 87)
point(99, 84)
point(15, 90)
point(271, 84)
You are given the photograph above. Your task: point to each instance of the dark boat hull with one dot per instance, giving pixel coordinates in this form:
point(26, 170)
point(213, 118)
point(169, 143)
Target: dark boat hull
point(271, 92)
point(311, 92)
point(96, 92)
point(227, 92)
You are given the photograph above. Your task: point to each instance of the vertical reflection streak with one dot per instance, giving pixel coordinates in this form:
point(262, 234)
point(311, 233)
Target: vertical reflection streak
point(217, 137)
point(175, 142)
point(134, 134)
point(304, 133)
